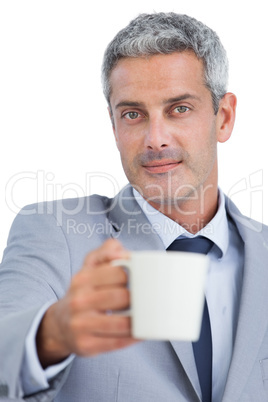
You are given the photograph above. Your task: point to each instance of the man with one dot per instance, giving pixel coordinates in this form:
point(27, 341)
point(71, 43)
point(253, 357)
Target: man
point(165, 79)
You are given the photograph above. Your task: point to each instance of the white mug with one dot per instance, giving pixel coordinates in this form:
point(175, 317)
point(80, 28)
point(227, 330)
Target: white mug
point(167, 294)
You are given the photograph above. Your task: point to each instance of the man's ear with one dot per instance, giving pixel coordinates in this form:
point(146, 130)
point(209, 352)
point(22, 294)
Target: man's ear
point(226, 117)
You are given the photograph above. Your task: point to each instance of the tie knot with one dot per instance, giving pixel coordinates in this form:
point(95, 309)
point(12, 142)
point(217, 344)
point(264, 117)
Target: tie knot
point(197, 244)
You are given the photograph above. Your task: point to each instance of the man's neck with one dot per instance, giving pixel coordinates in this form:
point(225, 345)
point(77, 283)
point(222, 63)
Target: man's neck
point(191, 214)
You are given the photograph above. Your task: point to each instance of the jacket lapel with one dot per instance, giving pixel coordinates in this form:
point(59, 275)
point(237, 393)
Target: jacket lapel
point(184, 351)
point(130, 224)
point(252, 320)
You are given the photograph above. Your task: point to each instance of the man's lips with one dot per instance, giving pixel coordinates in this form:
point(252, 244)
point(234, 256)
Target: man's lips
point(161, 166)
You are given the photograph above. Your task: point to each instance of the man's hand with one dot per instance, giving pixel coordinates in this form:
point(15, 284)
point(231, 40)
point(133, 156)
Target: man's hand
point(79, 323)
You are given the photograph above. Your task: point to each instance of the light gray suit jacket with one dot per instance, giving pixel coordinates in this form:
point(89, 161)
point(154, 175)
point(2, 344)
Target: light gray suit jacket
point(47, 245)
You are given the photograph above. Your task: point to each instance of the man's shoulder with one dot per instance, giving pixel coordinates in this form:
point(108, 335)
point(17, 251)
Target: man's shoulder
point(244, 223)
point(75, 220)
point(83, 209)
point(94, 202)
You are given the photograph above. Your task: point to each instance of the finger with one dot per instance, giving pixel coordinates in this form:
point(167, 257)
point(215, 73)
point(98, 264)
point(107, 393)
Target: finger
point(110, 299)
point(102, 325)
point(106, 275)
point(111, 249)
point(117, 298)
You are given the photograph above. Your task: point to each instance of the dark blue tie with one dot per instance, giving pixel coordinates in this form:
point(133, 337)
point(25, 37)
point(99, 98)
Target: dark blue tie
point(203, 347)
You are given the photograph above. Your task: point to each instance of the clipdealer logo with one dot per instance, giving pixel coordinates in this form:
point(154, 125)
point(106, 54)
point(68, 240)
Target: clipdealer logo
point(44, 187)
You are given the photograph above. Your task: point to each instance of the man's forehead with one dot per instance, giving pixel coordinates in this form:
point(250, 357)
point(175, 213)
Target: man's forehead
point(178, 73)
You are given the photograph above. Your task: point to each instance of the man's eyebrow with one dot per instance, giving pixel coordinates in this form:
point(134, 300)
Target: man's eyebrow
point(181, 98)
point(129, 104)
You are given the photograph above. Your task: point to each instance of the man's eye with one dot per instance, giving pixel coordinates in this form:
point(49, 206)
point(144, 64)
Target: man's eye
point(132, 115)
point(181, 109)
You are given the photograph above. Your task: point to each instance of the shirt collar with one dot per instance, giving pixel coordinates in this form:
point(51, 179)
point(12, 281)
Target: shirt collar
point(169, 230)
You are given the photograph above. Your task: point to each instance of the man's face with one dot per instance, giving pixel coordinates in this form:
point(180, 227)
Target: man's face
point(164, 125)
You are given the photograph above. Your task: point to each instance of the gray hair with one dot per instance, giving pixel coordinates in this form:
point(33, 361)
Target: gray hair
point(165, 33)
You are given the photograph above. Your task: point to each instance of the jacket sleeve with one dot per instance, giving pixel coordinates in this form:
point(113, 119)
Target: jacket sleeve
point(35, 270)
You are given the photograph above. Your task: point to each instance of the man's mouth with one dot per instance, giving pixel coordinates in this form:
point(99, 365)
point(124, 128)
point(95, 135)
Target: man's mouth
point(161, 166)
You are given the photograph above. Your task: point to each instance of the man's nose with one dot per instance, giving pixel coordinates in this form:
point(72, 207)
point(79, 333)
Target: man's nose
point(157, 134)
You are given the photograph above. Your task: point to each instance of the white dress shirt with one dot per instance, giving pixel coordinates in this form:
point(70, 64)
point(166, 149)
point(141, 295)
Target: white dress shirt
point(222, 293)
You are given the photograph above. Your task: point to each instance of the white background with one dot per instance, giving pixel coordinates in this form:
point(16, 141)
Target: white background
point(56, 137)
